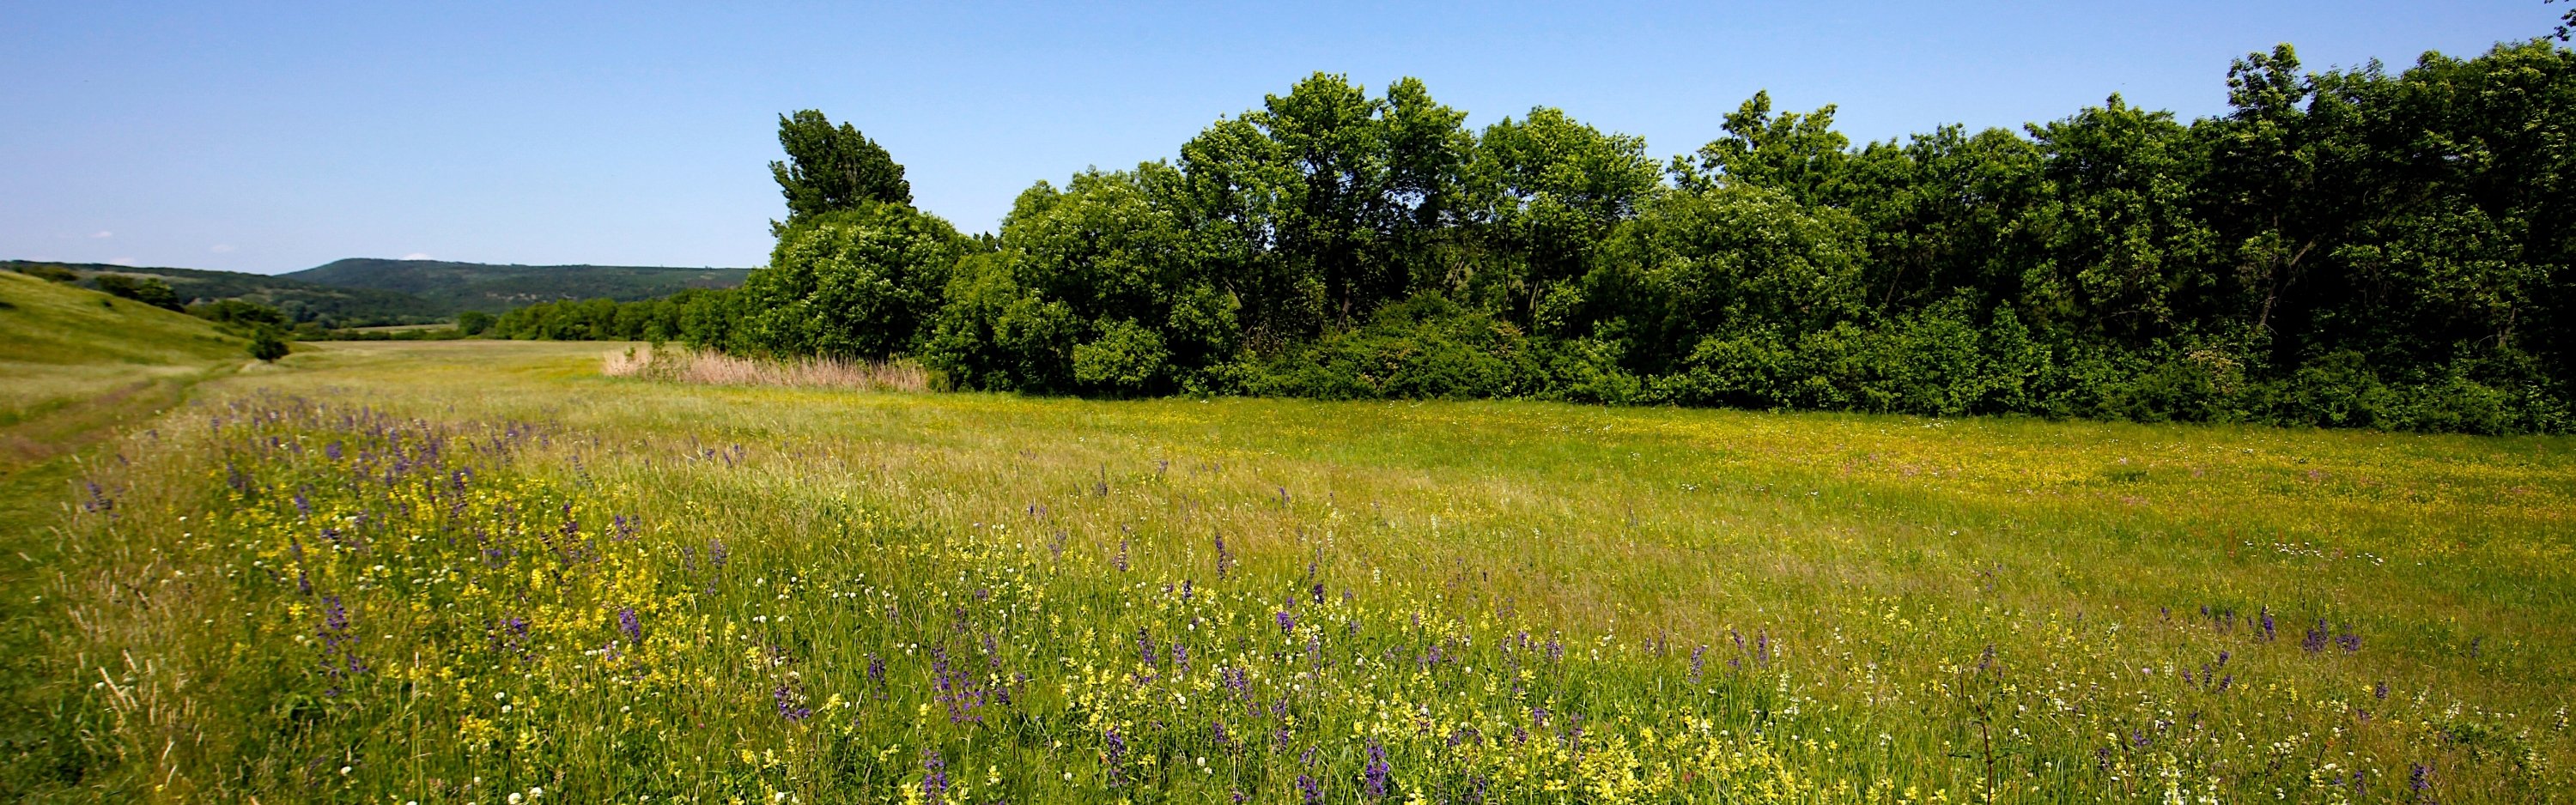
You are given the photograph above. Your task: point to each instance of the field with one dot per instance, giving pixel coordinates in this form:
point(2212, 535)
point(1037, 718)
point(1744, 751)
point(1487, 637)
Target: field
point(485, 572)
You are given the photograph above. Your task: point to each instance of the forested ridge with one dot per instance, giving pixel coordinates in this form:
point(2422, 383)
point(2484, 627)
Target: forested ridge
point(2359, 247)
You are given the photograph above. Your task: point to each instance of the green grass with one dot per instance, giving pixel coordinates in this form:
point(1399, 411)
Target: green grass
point(72, 360)
point(1500, 602)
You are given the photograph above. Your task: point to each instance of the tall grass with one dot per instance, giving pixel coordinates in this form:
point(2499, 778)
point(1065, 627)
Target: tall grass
point(696, 366)
point(458, 573)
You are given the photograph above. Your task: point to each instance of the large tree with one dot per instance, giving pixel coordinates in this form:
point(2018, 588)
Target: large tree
point(832, 168)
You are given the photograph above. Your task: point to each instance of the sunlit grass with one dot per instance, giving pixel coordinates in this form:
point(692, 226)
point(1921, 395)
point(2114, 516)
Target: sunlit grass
point(610, 588)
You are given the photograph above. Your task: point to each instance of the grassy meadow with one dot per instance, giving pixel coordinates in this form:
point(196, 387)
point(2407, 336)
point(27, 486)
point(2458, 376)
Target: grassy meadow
point(486, 572)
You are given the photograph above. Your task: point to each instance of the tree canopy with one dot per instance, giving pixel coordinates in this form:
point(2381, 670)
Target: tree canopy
point(2355, 247)
point(829, 168)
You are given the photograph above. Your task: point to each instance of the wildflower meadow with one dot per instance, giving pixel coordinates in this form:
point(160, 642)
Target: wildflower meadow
point(488, 573)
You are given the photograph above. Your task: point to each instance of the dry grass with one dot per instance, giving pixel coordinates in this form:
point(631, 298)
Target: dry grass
point(692, 366)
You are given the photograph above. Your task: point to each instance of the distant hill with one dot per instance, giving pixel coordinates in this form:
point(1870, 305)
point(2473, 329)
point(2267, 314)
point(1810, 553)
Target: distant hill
point(361, 292)
point(454, 287)
point(303, 300)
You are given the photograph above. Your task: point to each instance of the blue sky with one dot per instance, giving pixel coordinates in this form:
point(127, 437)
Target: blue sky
point(273, 137)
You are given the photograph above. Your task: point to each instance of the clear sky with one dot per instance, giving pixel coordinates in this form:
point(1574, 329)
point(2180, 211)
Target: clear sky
point(272, 137)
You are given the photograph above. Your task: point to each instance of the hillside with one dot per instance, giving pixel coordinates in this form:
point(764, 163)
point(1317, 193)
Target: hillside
point(302, 300)
point(70, 356)
point(453, 287)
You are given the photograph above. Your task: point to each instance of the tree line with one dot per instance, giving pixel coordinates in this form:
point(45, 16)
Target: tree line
point(2357, 247)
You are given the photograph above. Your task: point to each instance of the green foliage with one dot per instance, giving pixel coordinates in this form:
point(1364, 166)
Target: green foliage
point(238, 313)
point(996, 334)
point(860, 283)
point(1108, 268)
point(147, 290)
point(656, 320)
point(2352, 248)
point(45, 271)
point(267, 345)
point(830, 169)
point(1550, 190)
point(1425, 348)
point(440, 288)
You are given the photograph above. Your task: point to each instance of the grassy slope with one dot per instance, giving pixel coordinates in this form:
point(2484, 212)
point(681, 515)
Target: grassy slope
point(69, 356)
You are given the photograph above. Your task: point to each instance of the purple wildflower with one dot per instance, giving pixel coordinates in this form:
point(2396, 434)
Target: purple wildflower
point(1373, 780)
point(339, 659)
point(98, 500)
point(1115, 755)
point(629, 625)
point(1309, 792)
point(934, 777)
point(791, 703)
point(1224, 558)
point(1287, 622)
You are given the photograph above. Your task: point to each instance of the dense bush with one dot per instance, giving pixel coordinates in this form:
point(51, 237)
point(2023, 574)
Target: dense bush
point(238, 313)
point(852, 284)
point(146, 290)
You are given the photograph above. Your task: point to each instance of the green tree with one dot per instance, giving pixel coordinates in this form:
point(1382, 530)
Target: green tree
point(146, 290)
point(1553, 189)
point(1329, 196)
point(1800, 155)
point(1118, 273)
point(266, 345)
point(1727, 262)
point(829, 169)
point(860, 283)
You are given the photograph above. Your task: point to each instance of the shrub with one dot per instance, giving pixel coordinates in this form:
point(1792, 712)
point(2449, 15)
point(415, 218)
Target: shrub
point(267, 346)
point(141, 289)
